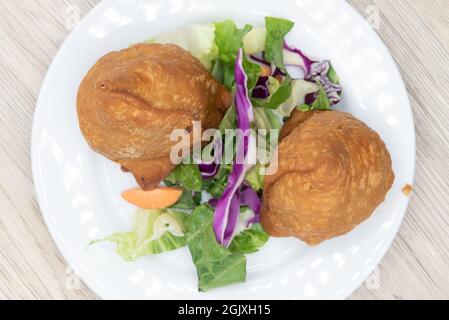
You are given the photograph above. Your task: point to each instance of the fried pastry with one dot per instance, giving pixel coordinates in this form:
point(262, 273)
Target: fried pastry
point(333, 172)
point(130, 102)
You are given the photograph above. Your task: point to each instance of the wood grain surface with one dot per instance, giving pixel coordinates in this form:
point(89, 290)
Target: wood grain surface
point(416, 266)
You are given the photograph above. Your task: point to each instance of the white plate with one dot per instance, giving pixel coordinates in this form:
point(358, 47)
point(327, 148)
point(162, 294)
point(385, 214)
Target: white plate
point(79, 191)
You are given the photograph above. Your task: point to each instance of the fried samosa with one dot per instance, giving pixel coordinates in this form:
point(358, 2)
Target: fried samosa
point(333, 172)
point(131, 100)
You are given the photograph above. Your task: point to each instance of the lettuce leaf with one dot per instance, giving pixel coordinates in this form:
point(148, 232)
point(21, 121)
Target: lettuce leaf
point(277, 29)
point(252, 72)
point(278, 97)
point(187, 176)
point(229, 120)
point(255, 177)
point(254, 41)
point(188, 200)
point(332, 75)
point(321, 103)
point(216, 266)
point(224, 73)
point(229, 39)
point(218, 71)
point(266, 119)
point(250, 241)
point(154, 231)
point(300, 89)
point(217, 185)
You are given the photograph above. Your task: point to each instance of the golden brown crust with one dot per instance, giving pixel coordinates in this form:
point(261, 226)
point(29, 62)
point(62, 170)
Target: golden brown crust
point(148, 173)
point(333, 172)
point(295, 120)
point(131, 100)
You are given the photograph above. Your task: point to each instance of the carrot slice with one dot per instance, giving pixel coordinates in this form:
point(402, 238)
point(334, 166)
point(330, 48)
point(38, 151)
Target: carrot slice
point(159, 198)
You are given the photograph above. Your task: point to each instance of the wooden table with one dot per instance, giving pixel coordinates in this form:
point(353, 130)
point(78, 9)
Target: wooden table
point(417, 265)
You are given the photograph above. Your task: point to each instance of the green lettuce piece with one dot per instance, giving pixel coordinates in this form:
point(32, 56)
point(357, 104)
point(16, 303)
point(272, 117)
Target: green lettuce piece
point(216, 266)
point(217, 185)
point(254, 41)
point(321, 103)
point(224, 74)
point(188, 200)
point(187, 176)
point(199, 40)
point(229, 39)
point(271, 121)
point(267, 119)
point(154, 231)
point(304, 108)
point(255, 177)
point(252, 71)
point(229, 77)
point(333, 76)
point(250, 241)
point(218, 71)
point(229, 120)
point(300, 89)
point(277, 29)
point(278, 97)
